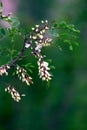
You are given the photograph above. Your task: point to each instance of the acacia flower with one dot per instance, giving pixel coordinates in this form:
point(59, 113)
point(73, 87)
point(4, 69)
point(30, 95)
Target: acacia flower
point(40, 34)
point(15, 95)
point(43, 70)
point(3, 69)
point(22, 74)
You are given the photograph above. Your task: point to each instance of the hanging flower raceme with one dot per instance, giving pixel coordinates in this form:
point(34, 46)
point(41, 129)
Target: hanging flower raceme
point(3, 69)
point(40, 37)
point(43, 70)
point(22, 74)
point(15, 95)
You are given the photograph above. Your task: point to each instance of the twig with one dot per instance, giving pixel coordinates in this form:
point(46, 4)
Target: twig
point(19, 55)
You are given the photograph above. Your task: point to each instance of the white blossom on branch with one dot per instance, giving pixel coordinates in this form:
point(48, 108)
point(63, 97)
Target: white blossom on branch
point(22, 74)
point(40, 34)
point(3, 69)
point(15, 95)
point(43, 70)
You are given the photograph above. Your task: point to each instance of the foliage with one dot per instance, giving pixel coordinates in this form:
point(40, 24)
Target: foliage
point(41, 36)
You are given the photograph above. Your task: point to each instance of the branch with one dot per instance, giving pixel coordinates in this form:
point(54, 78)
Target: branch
point(20, 54)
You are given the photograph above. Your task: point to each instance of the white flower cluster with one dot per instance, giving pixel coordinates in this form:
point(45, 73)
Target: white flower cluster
point(43, 70)
point(3, 69)
point(15, 95)
point(41, 38)
point(22, 74)
point(40, 35)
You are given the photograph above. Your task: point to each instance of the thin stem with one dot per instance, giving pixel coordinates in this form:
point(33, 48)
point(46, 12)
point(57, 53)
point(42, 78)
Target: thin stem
point(19, 55)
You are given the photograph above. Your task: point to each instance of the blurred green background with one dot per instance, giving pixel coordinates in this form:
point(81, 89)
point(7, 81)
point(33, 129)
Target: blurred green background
point(62, 106)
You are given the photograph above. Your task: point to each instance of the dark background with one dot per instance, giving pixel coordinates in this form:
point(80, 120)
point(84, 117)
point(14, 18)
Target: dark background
point(62, 105)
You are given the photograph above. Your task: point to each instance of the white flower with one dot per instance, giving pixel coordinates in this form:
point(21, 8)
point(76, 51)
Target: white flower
point(41, 36)
point(15, 95)
point(37, 26)
point(27, 45)
point(38, 47)
point(43, 70)
point(45, 63)
point(42, 21)
point(3, 69)
point(46, 21)
point(21, 72)
point(33, 28)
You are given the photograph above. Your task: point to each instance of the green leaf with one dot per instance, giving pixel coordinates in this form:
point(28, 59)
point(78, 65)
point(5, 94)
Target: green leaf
point(52, 67)
point(15, 21)
point(4, 17)
point(30, 70)
point(15, 24)
point(13, 74)
point(13, 18)
point(1, 5)
point(53, 32)
point(76, 43)
point(64, 34)
point(9, 20)
point(71, 47)
point(28, 65)
point(48, 60)
point(2, 31)
point(62, 24)
point(77, 31)
point(67, 41)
